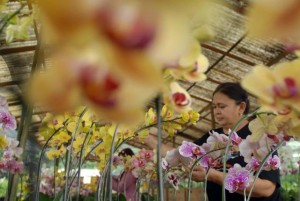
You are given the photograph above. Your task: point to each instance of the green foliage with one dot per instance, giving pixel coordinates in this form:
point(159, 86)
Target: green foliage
point(289, 187)
point(89, 198)
point(44, 197)
point(121, 197)
point(3, 187)
point(146, 197)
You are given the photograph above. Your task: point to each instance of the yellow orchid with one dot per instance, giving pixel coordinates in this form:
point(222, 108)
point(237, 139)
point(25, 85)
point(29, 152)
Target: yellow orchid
point(167, 113)
point(65, 17)
point(123, 131)
point(192, 65)
point(264, 123)
point(276, 89)
point(190, 116)
point(274, 19)
point(71, 127)
point(107, 60)
point(60, 138)
point(78, 143)
point(45, 133)
point(55, 153)
point(94, 182)
point(197, 72)
point(193, 73)
point(178, 99)
point(101, 165)
point(188, 59)
point(171, 128)
point(55, 121)
point(150, 117)
point(96, 135)
point(89, 74)
point(26, 187)
point(289, 123)
point(87, 120)
point(3, 141)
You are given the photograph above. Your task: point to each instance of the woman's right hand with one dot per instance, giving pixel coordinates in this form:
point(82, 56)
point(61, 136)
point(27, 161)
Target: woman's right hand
point(198, 173)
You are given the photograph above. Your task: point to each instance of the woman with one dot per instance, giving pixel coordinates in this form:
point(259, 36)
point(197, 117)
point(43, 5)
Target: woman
point(126, 182)
point(230, 102)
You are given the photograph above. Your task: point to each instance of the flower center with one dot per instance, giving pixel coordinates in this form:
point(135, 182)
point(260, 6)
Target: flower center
point(180, 99)
point(287, 89)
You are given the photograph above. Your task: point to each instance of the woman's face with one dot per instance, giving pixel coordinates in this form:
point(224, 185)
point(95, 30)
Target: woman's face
point(226, 111)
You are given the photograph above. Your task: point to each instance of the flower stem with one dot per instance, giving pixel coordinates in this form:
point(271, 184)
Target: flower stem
point(205, 184)
point(227, 149)
point(38, 177)
point(112, 149)
point(80, 163)
point(68, 160)
point(192, 169)
point(261, 167)
point(158, 104)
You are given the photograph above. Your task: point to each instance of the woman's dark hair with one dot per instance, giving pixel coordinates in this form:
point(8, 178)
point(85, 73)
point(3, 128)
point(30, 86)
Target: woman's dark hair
point(126, 152)
point(234, 91)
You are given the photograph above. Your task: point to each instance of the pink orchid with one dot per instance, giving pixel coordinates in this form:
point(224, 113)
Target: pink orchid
point(116, 160)
point(12, 166)
point(215, 137)
point(207, 161)
point(7, 121)
point(173, 179)
point(3, 103)
point(138, 162)
point(189, 149)
point(253, 164)
point(217, 141)
point(173, 157)
point(235, 139)
point(13, 147)
point(8, 155)
point(238, 178)
point(146, 154)
point(257, 149)
point(165, 165)
point(273, 163)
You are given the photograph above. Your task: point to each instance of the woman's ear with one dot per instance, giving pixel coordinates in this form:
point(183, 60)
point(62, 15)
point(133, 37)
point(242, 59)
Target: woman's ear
point(242, 108)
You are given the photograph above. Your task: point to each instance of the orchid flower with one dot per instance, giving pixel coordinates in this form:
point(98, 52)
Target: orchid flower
point(237, 178)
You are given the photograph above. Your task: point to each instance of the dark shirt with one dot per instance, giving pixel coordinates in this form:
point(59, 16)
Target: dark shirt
point(214, 191)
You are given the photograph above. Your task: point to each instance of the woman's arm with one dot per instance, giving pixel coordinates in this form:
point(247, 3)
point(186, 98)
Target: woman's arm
point(262, 188)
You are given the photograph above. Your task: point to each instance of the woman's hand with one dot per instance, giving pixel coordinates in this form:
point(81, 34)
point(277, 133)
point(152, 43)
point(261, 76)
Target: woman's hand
point(198, 174)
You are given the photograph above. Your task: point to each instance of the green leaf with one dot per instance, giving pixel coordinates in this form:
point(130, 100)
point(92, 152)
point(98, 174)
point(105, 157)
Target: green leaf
point(3, 187)
point(89, 198)
point(59, 196)
point(44, 197)
point(14, 20)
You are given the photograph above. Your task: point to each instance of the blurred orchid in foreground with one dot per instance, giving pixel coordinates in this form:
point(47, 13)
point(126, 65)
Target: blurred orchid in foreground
point(275, 19)
point(277, 90)
point(262, 124)
point(112, 52)
point(191, 66)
